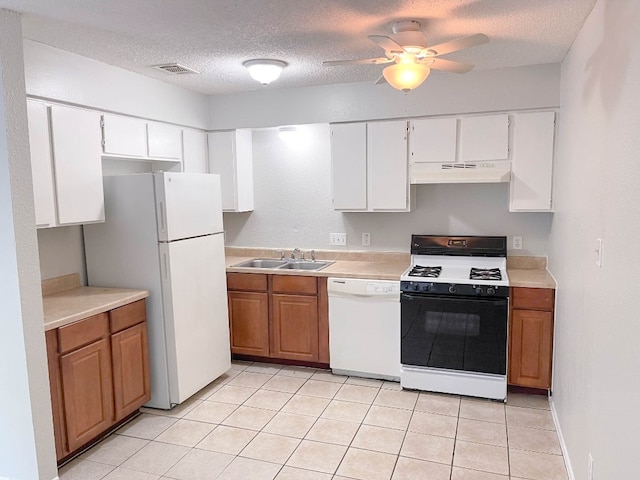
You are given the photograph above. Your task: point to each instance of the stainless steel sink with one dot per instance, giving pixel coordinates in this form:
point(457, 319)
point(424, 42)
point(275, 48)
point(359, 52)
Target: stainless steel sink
point(284, 264)
point(302, 265)
point(261, 263)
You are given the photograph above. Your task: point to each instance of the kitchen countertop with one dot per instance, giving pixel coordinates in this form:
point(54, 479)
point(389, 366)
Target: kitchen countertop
point(523, 271)
point(75, 302)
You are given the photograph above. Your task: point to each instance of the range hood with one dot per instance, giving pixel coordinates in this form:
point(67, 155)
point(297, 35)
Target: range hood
point(481, 172)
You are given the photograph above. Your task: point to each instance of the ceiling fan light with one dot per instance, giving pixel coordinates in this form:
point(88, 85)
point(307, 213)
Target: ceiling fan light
point(406, 76)
point(265, 71)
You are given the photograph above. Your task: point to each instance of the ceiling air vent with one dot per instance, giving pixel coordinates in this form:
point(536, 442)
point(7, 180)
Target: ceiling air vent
point(174, 68)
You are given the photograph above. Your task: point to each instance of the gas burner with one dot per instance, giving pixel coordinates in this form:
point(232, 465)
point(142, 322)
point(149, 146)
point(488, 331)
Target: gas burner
point(485, 274)
point(422, 271)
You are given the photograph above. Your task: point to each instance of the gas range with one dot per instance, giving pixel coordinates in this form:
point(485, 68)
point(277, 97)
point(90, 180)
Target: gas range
point(474, 266)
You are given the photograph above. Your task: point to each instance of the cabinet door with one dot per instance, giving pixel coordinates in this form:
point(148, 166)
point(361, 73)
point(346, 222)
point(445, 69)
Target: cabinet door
point(294, 329)
point(433, 140)
point(88, 392)
point(349, 166)
point(530, 352)
point(77, 165)
point(387, 156)
point(41, 165)
point(484, 138)
point(130, 357)
point(231, 156)
point(55, 385)
point(532, 162)
point(194, 151)
point(249, 323)
point(164, 141)
point(124, 136)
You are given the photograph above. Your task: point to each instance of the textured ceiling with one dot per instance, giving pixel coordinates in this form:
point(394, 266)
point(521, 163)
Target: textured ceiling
point(215, 37)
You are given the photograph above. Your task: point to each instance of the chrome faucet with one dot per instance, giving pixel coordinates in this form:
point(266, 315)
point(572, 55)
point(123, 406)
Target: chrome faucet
point(313, 255)
point(293, 253)
point(282, 256)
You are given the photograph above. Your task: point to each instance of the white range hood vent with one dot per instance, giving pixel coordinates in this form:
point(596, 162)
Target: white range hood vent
point(481, 172)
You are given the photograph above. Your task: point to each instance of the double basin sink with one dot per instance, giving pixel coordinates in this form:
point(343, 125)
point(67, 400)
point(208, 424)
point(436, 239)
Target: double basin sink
point(284, 264)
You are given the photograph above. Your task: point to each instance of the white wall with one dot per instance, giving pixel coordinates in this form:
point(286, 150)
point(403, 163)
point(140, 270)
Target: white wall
point(294, 209)
point(58, 75)
point(26, 432)
point(62, 252)
point(535, 86)
point(596, 391)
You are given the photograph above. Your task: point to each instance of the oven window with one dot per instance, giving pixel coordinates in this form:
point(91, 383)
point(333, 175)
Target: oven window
point(457, 333)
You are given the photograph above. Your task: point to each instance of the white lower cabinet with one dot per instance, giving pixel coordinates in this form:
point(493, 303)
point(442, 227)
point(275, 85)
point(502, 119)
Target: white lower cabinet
point(370, 167)
point(231, 156)
point(532, 162)
point(67, 185)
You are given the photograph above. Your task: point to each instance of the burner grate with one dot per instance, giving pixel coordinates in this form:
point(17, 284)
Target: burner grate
point(485, 274)
point(425, 271)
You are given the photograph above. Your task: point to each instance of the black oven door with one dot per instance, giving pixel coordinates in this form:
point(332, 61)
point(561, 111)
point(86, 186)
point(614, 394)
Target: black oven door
point(456, 333)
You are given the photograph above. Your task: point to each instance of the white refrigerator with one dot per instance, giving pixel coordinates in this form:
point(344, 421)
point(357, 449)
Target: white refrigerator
point(163, 233)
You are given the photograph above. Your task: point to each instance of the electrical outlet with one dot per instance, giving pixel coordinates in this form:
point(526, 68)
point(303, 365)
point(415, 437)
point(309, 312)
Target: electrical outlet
point(599, 244)
point(517, 243)
point(338, 239)
point(590, 468)
point(366, 239)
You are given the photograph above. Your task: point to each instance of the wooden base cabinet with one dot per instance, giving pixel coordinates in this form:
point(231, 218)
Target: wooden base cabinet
point(531, 337)
point(98, 374)
point(279, 316)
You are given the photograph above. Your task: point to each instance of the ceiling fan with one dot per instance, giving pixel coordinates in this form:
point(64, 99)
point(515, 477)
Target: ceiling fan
point(412, 56)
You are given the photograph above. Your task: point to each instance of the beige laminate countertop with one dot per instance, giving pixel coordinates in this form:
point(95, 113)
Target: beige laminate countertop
point(388, 270)
point(74, 304)
point(374, 270)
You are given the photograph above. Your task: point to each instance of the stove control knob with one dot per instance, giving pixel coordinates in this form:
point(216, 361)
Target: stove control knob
point(416, 287)
point(425, 288)
point(479, 290)
point(452, 289)
point(490, 291)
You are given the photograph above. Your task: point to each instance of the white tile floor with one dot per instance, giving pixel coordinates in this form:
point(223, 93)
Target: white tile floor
point(264, 422)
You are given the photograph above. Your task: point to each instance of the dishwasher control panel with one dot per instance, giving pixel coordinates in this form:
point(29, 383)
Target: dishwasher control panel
point(374, 288)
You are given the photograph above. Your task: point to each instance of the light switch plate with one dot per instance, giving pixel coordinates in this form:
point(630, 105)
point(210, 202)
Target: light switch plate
point(339, 239)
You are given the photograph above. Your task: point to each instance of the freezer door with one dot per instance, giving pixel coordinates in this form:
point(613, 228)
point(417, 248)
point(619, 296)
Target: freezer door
point(187, 205)
point(194, 294)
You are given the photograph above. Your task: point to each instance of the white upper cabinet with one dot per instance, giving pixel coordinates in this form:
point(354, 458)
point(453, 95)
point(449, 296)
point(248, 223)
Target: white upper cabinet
point(433, 140)
point(41, 165)
point(370, 166)
point(484, 138)
point(194, 151)
point(388, 166)
point(231, 156)
point(124, 136)
point(349, 166)
point(139, 139)
point(77, 165)
point(66, 165)
point(164, 141)
point(532, 162)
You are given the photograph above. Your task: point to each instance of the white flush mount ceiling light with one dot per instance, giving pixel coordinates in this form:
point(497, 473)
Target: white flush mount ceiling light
point(265, 71)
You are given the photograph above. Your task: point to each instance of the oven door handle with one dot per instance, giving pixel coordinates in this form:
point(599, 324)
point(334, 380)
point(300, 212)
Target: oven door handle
point(410, 297)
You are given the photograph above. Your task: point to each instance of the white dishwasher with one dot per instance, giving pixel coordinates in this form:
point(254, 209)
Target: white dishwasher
point(364, 327)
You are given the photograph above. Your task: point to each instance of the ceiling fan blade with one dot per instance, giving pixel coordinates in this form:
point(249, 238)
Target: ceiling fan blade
point(450, 66)
point(388, 43)
point(460, 44)
point(364, 61)
point(381, 80)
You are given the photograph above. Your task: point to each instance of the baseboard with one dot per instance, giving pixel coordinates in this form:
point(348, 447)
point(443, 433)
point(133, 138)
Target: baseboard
point(563, 446)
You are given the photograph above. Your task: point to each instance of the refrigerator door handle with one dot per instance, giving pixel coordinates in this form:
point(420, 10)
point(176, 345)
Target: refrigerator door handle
point(165, 267)
point(163, 217)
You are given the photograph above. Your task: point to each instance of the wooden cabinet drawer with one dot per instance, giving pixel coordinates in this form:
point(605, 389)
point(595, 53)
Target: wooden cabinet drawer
point(295, 284)
point(127, 316)
point(247, 281)
point(83, 332)
point(532, 298)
